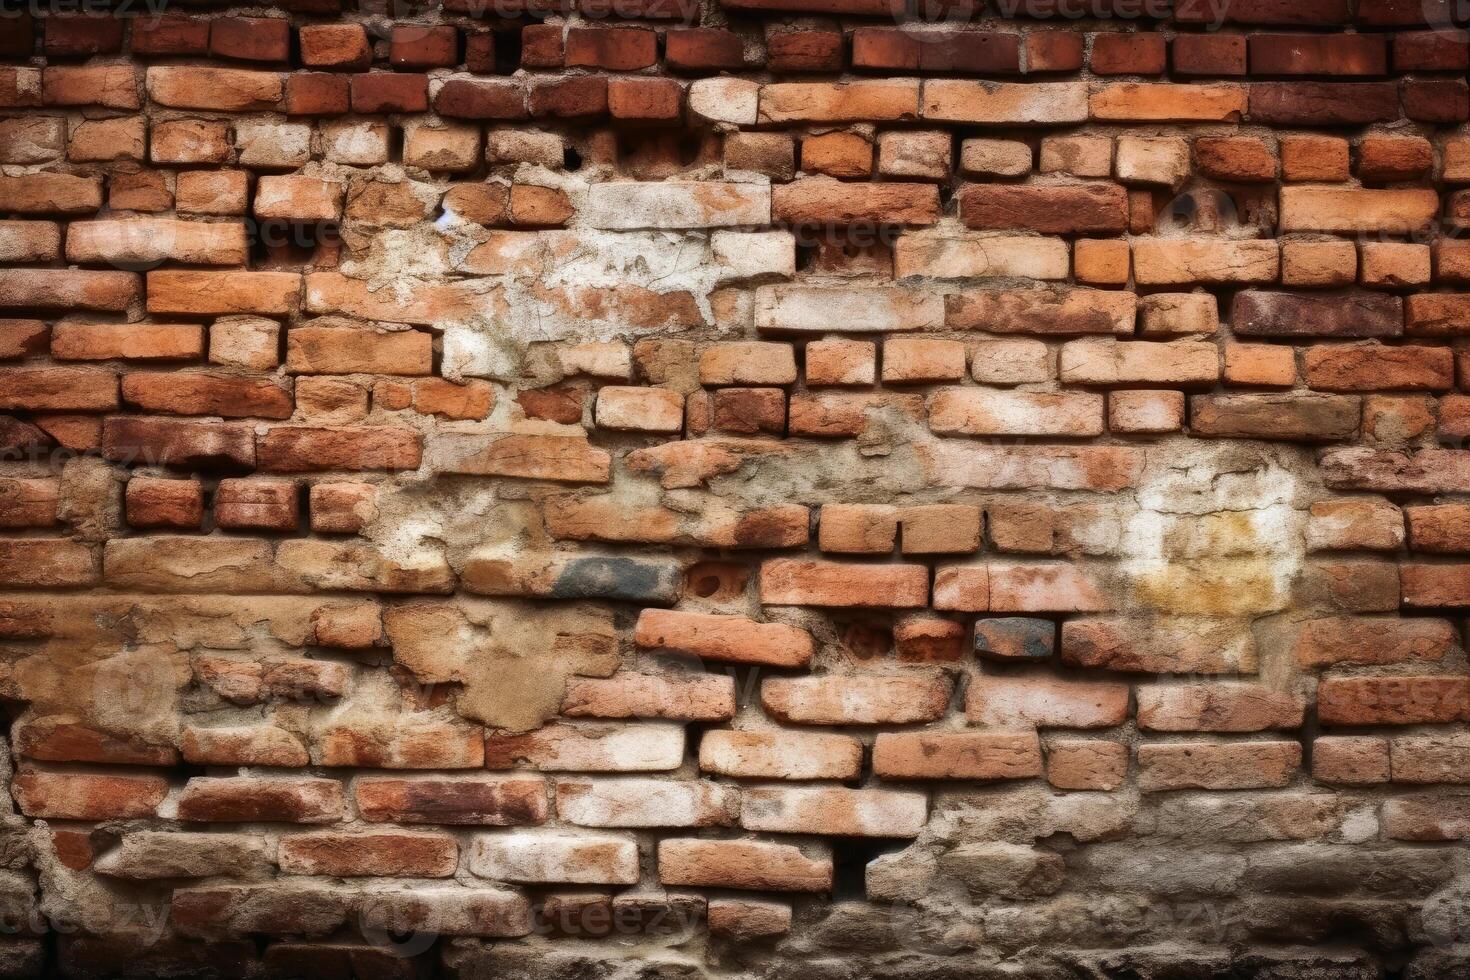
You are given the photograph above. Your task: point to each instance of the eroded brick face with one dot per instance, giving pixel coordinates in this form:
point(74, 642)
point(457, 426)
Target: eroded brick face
point(753, 489)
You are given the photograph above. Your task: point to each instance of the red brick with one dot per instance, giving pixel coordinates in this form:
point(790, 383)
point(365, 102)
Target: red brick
point(17, 34)
point(1436, 100)
point(28, 502)
point(155, 502)
point(1319, 54)
point(390, 92)
point(821, 202)
point(481, 99)
point(178, 442)
point(1350, 760)
point(195, 293)
point(1209, 54)
point(760, 865)
point(423, 46)
point(1436, 50)
point(1133, 53)
point(723, 638)
point(780, 755)
point(476, 800)
point(979, 52)
point(291, 449)
point(1376, 367)
point(804, 50)
point(569, 98)
point(1094, 764)
point(218, 89)
point(1054, 50)
point(53, 741)
point(170, 35)
point(46, 563)
point(389, 854)
point(269, 505)
point(315, 93)
point(1206, 765)
point(70, 35)
point(627, 695)
point(1069, 209)
point(58, 388)
point(78, 796)
point(250, 38)
point(706, 48)
point(614, 49)
point(50, 194)
point(245, 799)
point(855, 699)
point(956, 755)
point(543, 46)
point(207, 394)
point(1323, 103)
point(341, 46)
point(1393, 700)
point(645, 99)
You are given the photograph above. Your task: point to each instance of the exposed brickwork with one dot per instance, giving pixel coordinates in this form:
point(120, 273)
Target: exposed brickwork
point(760, 488)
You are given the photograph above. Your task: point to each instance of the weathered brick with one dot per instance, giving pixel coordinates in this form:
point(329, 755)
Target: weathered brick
point(975, 412)
point(855, 700)
point(632, 802)
point(1307, 208)
point(884, 100)
point(780, 754)
point(548, 856)
point(723, 638)
point(626, 695)
point(400, 854)
point(478, 800)
point(650, 747)
point(834, 811)
point(1032, 103)
point(1094, 764)
point(1302, 417)
point(742, 864)
point(1216, 708)
point(1350, 760)
point(797, 582)
point(80, 796)
point(1323, 103)
point(956, 755)
point(1047, 311)
point(1207, 765)
point(1065, 209)
point(1396, 700)
point(265, 799)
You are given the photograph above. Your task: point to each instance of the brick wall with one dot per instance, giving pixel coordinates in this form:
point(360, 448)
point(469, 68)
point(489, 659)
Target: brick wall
point(771, 489)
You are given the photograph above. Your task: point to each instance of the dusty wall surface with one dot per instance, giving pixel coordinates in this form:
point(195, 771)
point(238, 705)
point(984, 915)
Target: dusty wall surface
point(772, 489)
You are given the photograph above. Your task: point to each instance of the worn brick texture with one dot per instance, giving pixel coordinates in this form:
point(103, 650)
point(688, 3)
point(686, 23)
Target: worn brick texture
point(737, 489)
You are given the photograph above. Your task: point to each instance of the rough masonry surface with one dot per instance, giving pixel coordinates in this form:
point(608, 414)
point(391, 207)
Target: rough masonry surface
point(735, 489)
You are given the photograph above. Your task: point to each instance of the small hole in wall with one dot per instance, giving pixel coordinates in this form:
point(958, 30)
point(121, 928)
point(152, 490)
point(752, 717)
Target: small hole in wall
point(507, 51)
point(718, 580)
point(868, 641)
point(690, 145)
point(850, 859)
point(571, 159)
